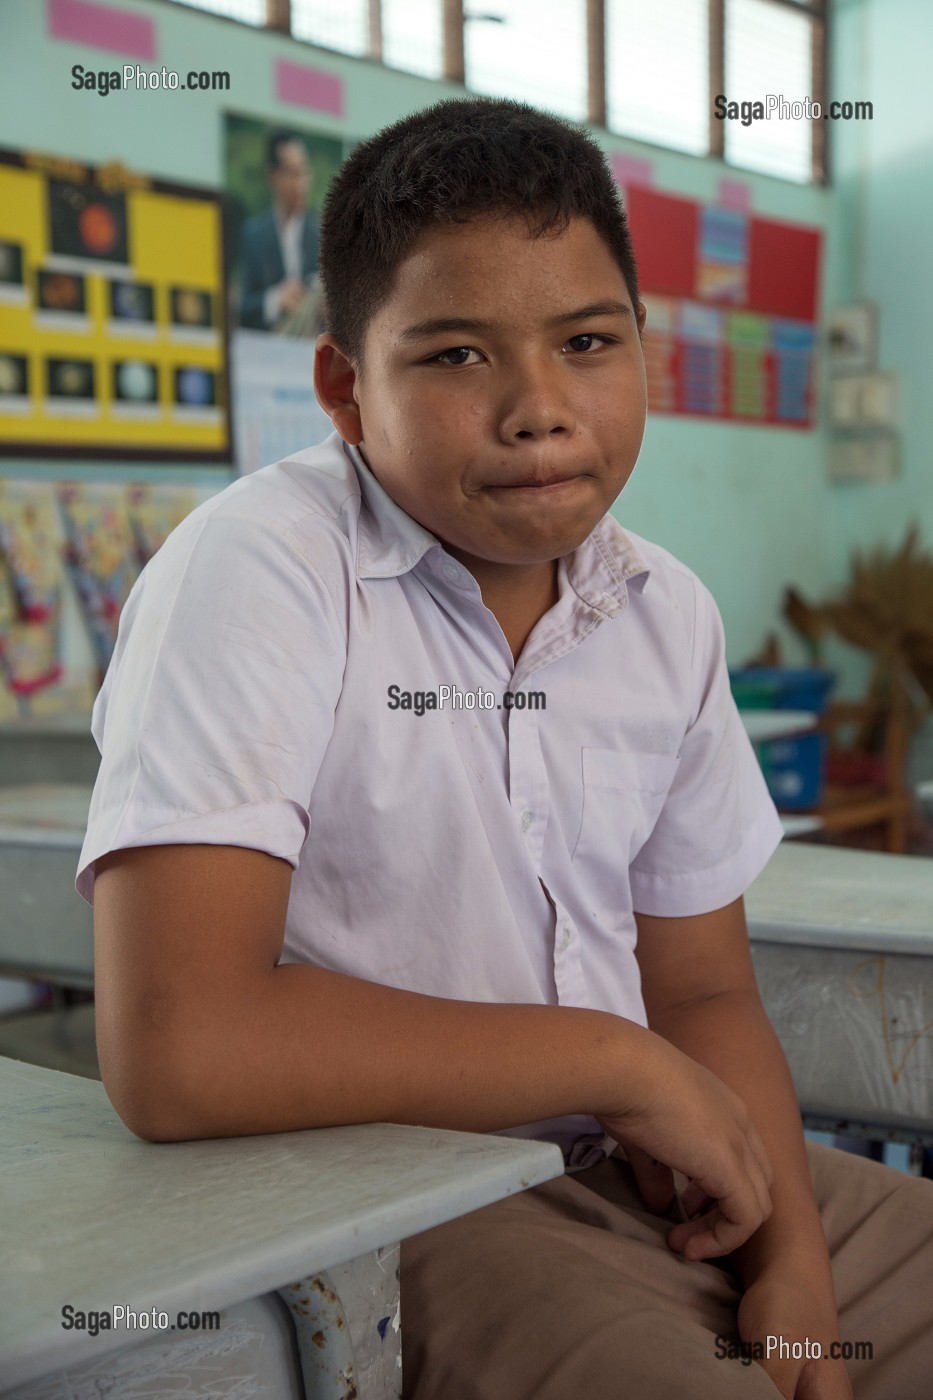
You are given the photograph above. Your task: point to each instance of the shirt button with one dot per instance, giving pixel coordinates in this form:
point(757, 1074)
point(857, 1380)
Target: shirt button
point(527, 819)
point(450, 572)
point(566, 933)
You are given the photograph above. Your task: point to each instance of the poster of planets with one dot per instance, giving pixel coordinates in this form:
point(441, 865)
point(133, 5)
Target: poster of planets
point(70, 379)
point(113, 331)
point(14, 376)
point(195, 387)
point(11, 271)
point(132, 302)
point(86, 222)
point(191, 307)
point(136, 382)
point(60, 291)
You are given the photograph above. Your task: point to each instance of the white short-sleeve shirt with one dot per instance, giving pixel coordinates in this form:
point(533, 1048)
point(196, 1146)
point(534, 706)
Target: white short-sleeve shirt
point(271, 687)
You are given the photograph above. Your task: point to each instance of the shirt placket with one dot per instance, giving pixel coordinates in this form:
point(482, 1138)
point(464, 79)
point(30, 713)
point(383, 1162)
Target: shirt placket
point(529, 795)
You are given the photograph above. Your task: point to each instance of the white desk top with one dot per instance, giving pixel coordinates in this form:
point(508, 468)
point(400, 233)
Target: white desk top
point(764, 725)
point(830, 897)
point(92, 1216)
point(48, 726)
point(45, 814)
point(802, 824)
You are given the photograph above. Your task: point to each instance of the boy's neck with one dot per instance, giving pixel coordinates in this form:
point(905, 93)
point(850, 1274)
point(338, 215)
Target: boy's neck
point(518, 595)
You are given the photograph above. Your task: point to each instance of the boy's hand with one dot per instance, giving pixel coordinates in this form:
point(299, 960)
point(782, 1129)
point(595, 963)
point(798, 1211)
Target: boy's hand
point(783, 1307)
point(684, 1117)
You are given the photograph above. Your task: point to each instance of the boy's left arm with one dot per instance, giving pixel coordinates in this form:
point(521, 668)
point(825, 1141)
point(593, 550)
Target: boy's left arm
point(700, 993)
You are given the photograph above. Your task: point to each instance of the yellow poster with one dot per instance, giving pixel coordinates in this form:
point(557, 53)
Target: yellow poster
point(113, 336)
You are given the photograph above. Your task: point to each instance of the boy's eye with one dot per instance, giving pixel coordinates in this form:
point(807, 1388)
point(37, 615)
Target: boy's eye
point(442, 358)
point(589, 335)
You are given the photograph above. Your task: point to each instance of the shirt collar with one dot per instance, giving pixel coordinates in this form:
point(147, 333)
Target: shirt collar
point(284, 221)
point(392, 543)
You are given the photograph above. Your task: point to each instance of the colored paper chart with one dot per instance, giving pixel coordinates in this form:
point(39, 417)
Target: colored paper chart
point(113, 336)
point(30, 594)
point(153, 513)
point(732, 302)
point(100, 556)
point(103, 535)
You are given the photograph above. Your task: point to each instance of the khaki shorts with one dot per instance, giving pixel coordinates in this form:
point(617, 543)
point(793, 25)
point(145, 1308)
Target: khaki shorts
point(569, 1290)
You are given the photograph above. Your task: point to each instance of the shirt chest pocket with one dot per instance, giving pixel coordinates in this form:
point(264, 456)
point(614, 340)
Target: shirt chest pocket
point(623, 794)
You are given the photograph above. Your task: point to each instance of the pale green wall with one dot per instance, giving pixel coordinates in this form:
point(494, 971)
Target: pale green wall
point(747, 507)
point(884, 212)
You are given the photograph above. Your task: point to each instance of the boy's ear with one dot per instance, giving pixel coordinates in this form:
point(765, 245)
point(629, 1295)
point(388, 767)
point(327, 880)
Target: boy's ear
point(334, 384)
point(641, 316)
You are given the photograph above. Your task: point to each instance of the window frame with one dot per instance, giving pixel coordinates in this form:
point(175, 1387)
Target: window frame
point(454, 18)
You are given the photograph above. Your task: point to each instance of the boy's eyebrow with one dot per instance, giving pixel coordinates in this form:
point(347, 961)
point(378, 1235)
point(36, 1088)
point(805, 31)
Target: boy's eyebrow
point(462, 323)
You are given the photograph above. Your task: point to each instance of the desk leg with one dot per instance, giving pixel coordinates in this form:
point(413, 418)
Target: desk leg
point(347, 1323)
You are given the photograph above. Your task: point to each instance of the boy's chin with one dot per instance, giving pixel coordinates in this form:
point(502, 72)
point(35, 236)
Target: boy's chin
point(552, 547)
point(521, 551)
point(535, 556)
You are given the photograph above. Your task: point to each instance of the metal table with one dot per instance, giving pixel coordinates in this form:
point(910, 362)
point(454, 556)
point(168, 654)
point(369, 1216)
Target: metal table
point(46, 929)
point(842, 943)
point(293, 1238)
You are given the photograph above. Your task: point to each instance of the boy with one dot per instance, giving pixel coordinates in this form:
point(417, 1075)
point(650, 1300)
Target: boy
point(468, 916)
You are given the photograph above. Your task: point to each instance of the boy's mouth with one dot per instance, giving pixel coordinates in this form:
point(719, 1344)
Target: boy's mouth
point(539, 483)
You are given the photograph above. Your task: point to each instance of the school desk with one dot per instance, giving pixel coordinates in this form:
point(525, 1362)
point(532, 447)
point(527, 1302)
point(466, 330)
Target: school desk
point(293, 1238)
point(842, 942)
point(46, 928)
point(48, 749)
point(762, 726)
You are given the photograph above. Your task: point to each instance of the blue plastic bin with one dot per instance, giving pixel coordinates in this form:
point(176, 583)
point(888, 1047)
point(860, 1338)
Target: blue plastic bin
point(793, 768)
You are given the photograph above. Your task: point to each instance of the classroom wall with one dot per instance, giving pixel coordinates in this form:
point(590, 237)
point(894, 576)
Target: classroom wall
point(883, 213)
point(748, 507)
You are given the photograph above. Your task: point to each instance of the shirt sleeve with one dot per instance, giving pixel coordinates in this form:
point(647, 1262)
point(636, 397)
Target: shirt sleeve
point(718, 827)
point(219, 700)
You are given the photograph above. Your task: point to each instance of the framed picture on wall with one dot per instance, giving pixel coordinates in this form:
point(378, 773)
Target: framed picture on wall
point(276, 178)
point(852, 338)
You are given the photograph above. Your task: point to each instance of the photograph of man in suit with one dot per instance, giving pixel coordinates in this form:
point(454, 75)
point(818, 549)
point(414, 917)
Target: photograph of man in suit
point(279, 248)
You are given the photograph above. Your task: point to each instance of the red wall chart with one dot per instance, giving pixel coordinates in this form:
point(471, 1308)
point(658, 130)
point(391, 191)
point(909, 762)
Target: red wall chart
point(732, 305)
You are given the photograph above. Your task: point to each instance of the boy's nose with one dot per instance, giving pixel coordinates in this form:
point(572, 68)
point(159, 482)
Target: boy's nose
point(534, 405)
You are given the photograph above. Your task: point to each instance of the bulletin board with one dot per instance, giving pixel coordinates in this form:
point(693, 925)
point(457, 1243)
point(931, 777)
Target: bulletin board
point(732, 308)
point(89, 539)
point(113, 336)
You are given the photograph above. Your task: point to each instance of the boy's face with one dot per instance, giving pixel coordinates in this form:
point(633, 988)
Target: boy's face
point(513, 445)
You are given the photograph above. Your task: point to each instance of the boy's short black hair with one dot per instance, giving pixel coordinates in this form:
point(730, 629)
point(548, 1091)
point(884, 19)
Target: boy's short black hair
point(454, 161)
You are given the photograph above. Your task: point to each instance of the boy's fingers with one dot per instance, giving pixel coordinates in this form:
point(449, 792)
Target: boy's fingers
point(709, 1236)
point(760, 1173)
point(695, 1199)
point(731, 1222)
point(655, 1181)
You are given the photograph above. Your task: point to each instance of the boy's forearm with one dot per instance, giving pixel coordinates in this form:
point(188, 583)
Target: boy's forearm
point(731, 1035)
point(309, 1047)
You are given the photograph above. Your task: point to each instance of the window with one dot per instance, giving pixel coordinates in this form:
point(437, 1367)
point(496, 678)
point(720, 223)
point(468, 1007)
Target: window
point(249, 11)
point(650, 71)
point(657, 72)
point(532, 50)
point(768, 52)
point(344, 27)
point(411, 36)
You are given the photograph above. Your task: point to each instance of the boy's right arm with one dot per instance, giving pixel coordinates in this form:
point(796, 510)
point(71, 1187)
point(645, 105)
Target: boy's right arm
point(201, 1034)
